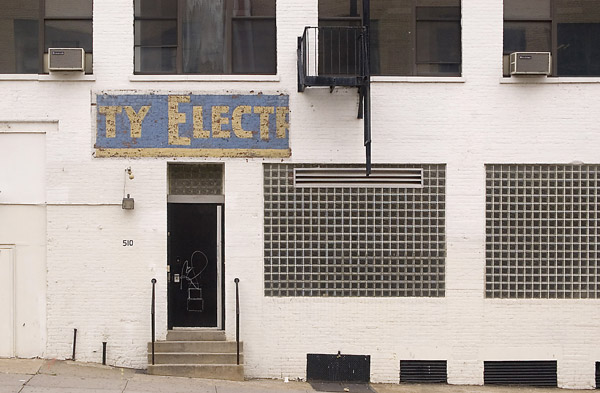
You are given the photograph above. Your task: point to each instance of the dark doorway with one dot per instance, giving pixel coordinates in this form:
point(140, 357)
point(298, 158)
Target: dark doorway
point(194, 264)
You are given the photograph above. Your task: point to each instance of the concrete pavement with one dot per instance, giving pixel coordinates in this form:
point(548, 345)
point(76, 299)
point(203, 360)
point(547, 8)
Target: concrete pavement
point(54, 376)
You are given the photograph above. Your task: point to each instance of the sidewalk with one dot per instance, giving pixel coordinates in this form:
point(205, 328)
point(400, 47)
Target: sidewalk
point(54, 376)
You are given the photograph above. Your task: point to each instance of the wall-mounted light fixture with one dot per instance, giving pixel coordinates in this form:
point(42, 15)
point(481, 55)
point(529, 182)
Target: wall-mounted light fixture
point(128, 201)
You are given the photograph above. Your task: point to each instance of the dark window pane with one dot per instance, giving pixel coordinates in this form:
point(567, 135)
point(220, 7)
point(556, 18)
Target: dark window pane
point(527, 9)
point(204, 37)
point(69, 8)
point(340, 8)
point(20, 55)
point(340, 23)
point(155, 33)
point(438, 69)
point(254, 8)
point(156, 9)
point(577, 11)
point(436, 3)
point(155, 60)
point(68, 34)
point(438, 13)
point(19, 21)
point(578, 49)
point(254, 47)
point(527, 37)
point(438, 42)
point(392, 37)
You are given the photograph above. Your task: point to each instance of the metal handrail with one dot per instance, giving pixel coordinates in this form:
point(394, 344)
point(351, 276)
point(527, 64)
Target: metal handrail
point(74, 343)
point(152, 312)
point(237, 318)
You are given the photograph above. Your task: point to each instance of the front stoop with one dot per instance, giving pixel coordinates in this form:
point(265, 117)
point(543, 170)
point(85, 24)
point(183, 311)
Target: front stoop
point(196, 354)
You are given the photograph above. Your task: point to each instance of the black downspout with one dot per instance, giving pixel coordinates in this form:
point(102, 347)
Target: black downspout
point(366, 87)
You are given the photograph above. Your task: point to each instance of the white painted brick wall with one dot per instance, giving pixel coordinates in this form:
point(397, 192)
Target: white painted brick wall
point(103, 289)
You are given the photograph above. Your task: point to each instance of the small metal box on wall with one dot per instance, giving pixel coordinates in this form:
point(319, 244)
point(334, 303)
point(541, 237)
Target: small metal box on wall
point(530, 63)
point(66, 59)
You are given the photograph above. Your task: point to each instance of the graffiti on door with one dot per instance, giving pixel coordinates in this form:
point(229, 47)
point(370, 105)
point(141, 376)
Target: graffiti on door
point(190, 273)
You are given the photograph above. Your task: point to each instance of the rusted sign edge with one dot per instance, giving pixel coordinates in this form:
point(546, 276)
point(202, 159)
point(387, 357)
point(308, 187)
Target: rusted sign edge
point(175, 152)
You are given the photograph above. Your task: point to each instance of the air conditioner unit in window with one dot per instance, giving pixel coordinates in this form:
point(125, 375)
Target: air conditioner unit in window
point(66, 59)
point(530, 63)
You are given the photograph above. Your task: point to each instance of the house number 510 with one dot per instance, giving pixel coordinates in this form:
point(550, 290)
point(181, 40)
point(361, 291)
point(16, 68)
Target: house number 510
point(127, 243)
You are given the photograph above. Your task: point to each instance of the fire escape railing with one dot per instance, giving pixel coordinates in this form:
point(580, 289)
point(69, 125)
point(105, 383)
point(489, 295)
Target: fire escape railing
point(331, 56)
point(339, 56)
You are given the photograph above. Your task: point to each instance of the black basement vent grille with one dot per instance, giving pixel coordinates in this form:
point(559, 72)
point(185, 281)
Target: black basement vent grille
point(530, 373)
point(355, 177)
point(597, 375)
point(338, 368)
point(423, 371)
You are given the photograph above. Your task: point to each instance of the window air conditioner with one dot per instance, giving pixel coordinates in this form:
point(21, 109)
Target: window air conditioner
point(530, 63)
point(66, 59)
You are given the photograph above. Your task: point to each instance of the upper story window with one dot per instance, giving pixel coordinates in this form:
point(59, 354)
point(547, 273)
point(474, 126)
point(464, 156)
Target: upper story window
point(408, 37)
point(205, 37)
point(29, 27)
point(569, 29)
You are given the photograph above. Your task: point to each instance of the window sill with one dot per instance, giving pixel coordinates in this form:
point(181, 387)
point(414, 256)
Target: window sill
point(62, 77)
point(418, 79)
point(527, 80)
point(204, 78)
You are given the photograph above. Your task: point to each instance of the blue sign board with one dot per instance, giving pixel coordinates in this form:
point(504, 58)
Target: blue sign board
point(154, 125)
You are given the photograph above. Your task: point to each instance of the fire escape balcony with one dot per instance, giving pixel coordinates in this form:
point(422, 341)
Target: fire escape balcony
point(332, 56)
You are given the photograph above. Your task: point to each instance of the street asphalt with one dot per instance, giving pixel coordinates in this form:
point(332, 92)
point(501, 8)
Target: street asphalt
point(55, 376)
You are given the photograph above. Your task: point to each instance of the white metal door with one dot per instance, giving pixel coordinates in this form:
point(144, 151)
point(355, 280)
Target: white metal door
point(7, 302)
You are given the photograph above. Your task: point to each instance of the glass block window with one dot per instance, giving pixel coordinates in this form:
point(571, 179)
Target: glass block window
point(354, 241)
point(195, 179)
point(542, 231)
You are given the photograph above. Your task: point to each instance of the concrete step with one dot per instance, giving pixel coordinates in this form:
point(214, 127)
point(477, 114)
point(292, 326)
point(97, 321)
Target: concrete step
point(195, 346)
point(212, 371)
point(195, 335)
point(194, 358)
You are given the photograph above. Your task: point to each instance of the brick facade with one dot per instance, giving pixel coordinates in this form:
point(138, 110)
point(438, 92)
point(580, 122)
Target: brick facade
point(101, 288)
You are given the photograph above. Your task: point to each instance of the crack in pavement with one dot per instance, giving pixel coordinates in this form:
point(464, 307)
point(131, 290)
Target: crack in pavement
point(125, 387)
point(25, 384)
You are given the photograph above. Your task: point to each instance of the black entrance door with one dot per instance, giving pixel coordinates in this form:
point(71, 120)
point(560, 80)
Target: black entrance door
point(193, 264)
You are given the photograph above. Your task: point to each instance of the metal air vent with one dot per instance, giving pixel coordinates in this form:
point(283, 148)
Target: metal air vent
point(66, 59)
point(530, 63)
point(531, 373)
point(338, 368)
point(423, 371)
point(355, 177)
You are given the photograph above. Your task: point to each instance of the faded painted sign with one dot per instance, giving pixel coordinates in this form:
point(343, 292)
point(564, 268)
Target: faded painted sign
point(192, 125)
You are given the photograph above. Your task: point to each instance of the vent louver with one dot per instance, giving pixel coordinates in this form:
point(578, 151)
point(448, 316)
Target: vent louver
point(355, 177)
point(423, 371)
point(338, 368)
point(531, 373)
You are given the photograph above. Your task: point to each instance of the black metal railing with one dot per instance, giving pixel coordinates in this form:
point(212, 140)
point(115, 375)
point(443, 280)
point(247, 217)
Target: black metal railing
point(74, 343)
point(332, 56)
point(152, 314)
point(237, 318)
